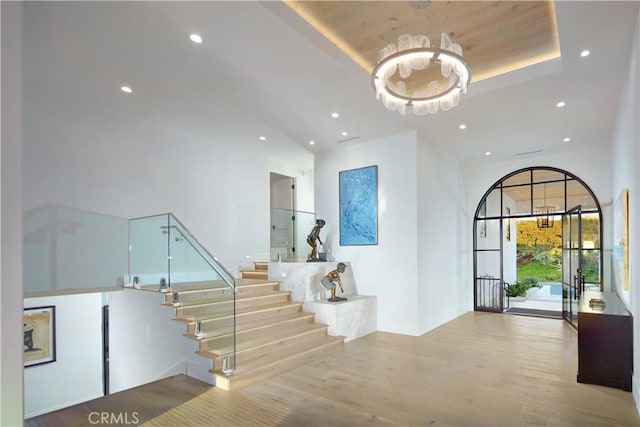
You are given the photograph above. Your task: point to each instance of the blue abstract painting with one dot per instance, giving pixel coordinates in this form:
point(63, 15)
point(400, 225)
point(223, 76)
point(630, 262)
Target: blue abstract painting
point(359, 206)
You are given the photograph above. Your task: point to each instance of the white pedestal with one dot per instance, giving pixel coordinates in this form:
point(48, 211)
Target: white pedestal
point(302, 279)
point(354, 318)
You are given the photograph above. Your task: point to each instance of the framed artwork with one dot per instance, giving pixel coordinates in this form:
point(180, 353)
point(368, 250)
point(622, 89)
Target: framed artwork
point(39, 324)
point(621, 239)
point(359, 206)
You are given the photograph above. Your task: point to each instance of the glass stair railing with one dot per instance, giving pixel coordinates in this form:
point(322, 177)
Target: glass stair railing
point(165, 256)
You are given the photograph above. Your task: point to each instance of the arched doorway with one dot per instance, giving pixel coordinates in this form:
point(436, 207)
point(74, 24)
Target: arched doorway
point(537, 232)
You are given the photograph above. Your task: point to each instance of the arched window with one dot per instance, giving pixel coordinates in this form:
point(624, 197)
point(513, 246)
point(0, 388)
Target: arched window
point(515, 225)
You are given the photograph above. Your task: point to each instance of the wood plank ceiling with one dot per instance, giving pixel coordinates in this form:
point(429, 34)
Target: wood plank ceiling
point(496, 36)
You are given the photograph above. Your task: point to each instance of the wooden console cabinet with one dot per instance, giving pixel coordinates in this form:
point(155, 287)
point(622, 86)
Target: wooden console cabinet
point(605, 341)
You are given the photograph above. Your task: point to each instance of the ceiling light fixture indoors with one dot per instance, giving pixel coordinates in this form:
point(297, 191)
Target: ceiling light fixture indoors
point(436, 90)
point(545, 220)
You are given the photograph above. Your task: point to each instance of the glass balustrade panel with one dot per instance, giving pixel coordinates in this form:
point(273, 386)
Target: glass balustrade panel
point(67, 249)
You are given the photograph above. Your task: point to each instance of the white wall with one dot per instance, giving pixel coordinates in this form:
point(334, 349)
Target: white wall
point(94, 156)
point(11, 335)
point(78, 320)
point(443, 238)
point(146, 344)
point(625, 174)
point(389, 269)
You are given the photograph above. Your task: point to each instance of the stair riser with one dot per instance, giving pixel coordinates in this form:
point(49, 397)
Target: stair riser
point(262, 266)
point(259, 288)
point(229, 383)
point(291, 342)
point(248, 335)
point(185, 297)
point(223, 292)
point(226, 306)
point(210, 326)
point(255, 275)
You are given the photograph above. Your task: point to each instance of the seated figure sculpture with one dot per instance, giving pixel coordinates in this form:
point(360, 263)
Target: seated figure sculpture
point(331, 279)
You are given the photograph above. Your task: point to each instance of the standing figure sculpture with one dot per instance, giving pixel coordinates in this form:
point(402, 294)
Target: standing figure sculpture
point(311, 240)
point(331, 279)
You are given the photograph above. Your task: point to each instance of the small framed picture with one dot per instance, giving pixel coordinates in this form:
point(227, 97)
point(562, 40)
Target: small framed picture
point(39, 325)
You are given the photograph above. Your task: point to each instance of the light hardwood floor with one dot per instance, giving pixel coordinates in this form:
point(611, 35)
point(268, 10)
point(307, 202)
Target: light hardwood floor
point(480, 369)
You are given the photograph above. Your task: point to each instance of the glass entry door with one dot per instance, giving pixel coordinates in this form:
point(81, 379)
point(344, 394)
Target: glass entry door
point(572, 276)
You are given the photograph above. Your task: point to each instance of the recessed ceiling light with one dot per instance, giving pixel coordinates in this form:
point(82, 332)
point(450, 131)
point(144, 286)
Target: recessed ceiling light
point(126, 89)
point(560, 104)
point(567, 139)
point(312, 143)
point(463, 126)
point(335, 115)
point(344, 134)
point(584, 53)
point(487, 153)
point(262, 138)
point(195, 38)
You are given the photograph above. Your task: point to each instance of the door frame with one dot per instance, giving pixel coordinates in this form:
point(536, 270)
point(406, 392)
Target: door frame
point(572, 276)
point(282, 201)
point(481, 230)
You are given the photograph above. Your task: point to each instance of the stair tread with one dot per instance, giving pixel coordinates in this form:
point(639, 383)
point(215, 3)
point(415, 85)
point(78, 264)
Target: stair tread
point(283, 319)
point(240, 311)
point(276, 319)
point(249, 283)
point(266, 339)
point(196, 286)
point(263, 362)
point(239, 297)
point(227, 297)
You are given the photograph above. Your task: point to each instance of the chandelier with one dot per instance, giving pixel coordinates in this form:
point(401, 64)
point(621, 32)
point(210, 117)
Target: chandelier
point(545, 213)
point(444, 87)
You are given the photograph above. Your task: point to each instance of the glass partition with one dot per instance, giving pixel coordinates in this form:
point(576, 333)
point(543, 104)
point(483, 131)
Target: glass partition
point(68, 250)
point(162, 252)
point(289, 231)
point(164, 255)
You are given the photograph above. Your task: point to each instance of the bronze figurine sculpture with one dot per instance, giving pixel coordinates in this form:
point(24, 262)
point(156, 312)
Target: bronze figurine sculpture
point(331, 279)
point(311, 240)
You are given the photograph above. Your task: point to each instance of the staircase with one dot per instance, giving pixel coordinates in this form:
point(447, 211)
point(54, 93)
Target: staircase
point(273, 334)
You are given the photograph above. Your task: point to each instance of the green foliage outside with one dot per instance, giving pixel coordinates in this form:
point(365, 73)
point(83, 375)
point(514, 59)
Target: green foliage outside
point(539, 251)
point(520, 287)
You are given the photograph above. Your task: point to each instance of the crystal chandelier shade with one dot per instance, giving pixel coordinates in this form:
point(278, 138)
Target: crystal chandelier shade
point(415, 53)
